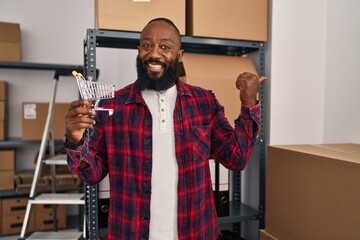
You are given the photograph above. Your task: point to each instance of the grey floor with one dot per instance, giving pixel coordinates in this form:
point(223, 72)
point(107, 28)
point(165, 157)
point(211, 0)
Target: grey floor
point(16, 236)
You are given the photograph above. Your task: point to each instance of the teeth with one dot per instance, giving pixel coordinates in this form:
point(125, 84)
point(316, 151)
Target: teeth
point(156, 66)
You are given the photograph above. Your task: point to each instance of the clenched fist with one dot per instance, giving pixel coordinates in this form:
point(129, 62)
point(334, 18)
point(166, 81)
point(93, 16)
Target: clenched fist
point(249, 84)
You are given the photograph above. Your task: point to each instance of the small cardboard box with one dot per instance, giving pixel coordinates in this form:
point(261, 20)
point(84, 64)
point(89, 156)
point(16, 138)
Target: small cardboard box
point(10, 42)
point(13, 224)
point(3, 110)
point(44, 217)
point(231, 19)
point(7, 180)
point(7, 169)
point(312, 191)
point(13, 212)
point(3, 130)
point(133, 15)
point(3, 90)
point(7, 160)
point(219, 74)
point(14, 206)
point(34, 119)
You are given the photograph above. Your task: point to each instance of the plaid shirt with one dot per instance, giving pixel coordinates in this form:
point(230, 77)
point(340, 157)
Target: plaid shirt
point(121, 145)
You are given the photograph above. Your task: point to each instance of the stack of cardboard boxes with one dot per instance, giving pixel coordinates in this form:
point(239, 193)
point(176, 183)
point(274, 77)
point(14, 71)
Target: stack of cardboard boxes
point(7, 169)
point(3, 110)
point(12, 212)
point(232, 19)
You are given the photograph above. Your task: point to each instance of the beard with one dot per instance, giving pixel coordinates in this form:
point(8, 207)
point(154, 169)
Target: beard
point(151, 82)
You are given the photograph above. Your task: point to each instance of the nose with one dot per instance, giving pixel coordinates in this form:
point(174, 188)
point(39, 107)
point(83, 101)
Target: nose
point(155, 52)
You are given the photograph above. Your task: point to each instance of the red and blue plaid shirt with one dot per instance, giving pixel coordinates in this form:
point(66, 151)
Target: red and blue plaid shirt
point(121, 146)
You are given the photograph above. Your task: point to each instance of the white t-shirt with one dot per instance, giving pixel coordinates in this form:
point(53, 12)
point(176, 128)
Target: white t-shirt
point(164, 178)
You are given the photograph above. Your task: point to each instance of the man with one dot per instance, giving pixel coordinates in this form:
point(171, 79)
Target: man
point(156, 145)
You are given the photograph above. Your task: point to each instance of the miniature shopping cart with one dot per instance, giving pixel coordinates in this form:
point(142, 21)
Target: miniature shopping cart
point(90, 90)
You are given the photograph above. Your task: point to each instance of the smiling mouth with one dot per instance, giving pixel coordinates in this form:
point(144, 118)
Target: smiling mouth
point(154, 67)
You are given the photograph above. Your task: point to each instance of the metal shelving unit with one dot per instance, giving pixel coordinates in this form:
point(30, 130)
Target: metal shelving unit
point(34, 198)
point(129, 40)
point(59, 70)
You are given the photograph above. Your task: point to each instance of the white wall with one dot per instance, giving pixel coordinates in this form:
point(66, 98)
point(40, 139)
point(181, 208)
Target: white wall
point(297, 72)
point(315, 72)
point(52, 32)
point(342, 98)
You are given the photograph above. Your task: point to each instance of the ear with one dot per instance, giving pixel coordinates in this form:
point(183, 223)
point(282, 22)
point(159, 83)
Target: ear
point(138, 47)
point(180, 54)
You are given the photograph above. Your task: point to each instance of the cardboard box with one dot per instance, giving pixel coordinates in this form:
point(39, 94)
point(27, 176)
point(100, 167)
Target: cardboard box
point(7, 169)
point(266, 236)
point(44, 217)
point(7, 180)
point(312, 191)
point(13, 212)
point(133, 15)
point(231, 19)
point(7, 160)
point(14, 206)
point(13, 224)
point(3, 90)
point(10, 42)
point(34, 119)
point(3, 130)
point(219, 74)
point(3, 110)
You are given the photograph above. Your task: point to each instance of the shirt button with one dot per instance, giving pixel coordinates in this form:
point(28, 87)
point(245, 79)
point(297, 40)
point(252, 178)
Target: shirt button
point(163, 120)
point(162, 110)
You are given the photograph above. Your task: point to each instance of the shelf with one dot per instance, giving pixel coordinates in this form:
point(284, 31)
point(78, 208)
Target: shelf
point(130, 40)
point(19, 142)
point(61, 69)
point(59, 198)
point(11, 193)
point(239, 212)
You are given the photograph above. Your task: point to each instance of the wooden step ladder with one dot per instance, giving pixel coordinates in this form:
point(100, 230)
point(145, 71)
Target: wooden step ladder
point(52, 198)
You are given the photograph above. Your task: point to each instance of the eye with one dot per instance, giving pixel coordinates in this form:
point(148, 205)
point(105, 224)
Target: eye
point(165, 47)
point(146, 45)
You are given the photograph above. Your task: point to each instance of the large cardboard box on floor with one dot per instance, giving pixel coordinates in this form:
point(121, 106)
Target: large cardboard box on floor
point(219, 74)
point(34, 119)
point(10, 42)
point(231, 19)
point(133, 15)
point(313, 192)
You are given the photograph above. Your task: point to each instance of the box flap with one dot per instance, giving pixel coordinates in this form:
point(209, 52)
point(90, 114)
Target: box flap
point(343, 152)
point(217, 73)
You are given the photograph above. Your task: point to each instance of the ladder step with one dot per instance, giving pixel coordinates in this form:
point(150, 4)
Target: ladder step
point(62, 235)
point(59, 198)
point(56, 160)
